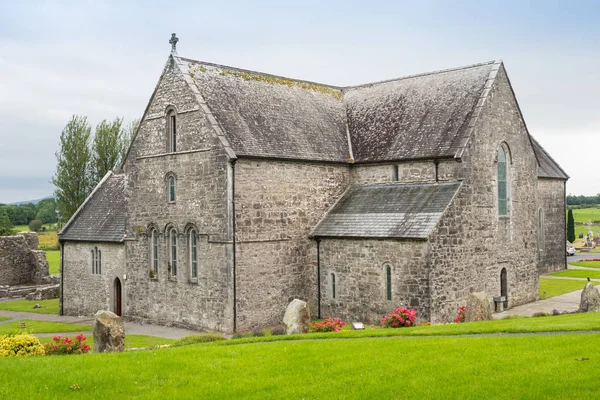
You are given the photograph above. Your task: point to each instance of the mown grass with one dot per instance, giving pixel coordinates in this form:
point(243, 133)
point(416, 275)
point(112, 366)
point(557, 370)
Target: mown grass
point(33, 326)
point(46, 306)
point(425, 368)
point(589, 264)
point(578, 273)
point(583, 215)
point(53, 257)
point(555, 287)
point(131, 341)
point(4, 318)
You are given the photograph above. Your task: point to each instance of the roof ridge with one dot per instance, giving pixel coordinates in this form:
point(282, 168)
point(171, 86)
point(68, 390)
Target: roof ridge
point(258, 73)
point(441, 71)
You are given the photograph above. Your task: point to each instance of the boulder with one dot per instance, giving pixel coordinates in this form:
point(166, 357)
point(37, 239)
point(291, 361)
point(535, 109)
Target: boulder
point(45, 293)
point(109, 332)
point(297, 317)
point(590, 298)
point(479, 307)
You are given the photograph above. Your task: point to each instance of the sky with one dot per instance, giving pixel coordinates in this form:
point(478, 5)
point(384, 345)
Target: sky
point(103, 60)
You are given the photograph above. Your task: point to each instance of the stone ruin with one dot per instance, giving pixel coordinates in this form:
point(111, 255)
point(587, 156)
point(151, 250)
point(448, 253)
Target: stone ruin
point(22, 266)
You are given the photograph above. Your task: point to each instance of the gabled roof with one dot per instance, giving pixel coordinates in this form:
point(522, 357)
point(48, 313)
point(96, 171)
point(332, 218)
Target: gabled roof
point(547, 167)
point(390, 211)
point(101, 218)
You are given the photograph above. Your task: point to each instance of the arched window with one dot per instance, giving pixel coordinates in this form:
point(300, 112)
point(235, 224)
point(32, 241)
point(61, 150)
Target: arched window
point(333, 286)
point(540, 236)
point(173, 262)
point(171, 131)
point(503, 187)
point(388, 282)
point(171, 188)
point(153, 252)
point(193, 240)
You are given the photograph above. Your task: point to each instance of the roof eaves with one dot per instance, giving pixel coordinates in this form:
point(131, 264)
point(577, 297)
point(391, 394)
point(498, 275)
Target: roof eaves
point(567, 177)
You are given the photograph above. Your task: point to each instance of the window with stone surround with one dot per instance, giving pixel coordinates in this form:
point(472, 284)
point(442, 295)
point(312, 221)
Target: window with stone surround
point(388, 282)
point(503, 181)
point(96, 261)
point(153, 252)
point(333, 286)
point(171, 130)
point(173, 252)
point(193, 252)
point(540, 236)
point(171, 181)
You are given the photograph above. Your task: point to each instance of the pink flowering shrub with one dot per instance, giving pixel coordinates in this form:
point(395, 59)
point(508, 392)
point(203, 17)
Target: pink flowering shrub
point(461, 315)
point(399, 317)
point(64, 345)
point(327, 325)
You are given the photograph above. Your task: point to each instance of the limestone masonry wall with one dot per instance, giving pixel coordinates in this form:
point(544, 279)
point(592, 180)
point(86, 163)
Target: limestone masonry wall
point(408, 172)
point(20, 260)
point(551, 194)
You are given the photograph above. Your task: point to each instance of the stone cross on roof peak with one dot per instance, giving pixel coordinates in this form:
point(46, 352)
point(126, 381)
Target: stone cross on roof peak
point(173, 43)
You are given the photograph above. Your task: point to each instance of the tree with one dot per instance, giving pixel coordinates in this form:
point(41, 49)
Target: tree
point(5, 225)
point(47, 211)
point(127, 138)
point(72, 178)
point(35, 225)
point(570, 227)
point(107, 148)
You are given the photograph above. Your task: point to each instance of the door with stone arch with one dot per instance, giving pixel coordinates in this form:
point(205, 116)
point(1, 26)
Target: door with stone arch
point(118, 302)
point(504, 286)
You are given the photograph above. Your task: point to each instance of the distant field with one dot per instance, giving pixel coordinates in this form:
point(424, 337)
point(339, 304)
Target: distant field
point(584, 215)
point(53, 257)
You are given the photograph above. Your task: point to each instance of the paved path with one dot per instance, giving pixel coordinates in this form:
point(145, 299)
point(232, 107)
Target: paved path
point(565, 302)
point(582, 256)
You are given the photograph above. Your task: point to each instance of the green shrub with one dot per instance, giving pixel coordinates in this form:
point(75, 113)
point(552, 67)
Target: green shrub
point(35, 225)
point(24, 345)
point(540, 314)
point(258, 332)
point(201, 338)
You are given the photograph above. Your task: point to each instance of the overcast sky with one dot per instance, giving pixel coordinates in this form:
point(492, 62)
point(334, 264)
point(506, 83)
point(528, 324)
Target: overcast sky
point(103, 59)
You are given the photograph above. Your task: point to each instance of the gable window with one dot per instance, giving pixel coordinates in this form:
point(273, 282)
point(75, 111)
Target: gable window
point(173, 247)
point(502, 178)
point(96, 261)
point(154, 253)
point(171, 188)
point(333, 289)
point(388, 282)
point(171, 131)
point(193, 240)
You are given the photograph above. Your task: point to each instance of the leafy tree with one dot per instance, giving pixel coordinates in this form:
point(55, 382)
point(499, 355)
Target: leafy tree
point(35, 225)
point(5, 225)
point(47, 211)
point(127, 138)
point(72, 178)
point(570, 227)
point(107, 147)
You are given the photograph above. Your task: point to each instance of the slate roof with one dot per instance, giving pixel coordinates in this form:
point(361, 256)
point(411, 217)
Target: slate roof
point(101, 218)
point(391, 211)
point(547, 167)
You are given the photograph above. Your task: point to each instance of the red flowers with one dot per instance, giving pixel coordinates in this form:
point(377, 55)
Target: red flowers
point(327, 325)
point(461, 315)
point(67, 345)
point(399, 317)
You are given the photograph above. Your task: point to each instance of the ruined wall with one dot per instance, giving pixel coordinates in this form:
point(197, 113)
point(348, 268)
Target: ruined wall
point(472, 243)
point(200, 167)
point(278, 203)
point(84, 293)
point(551, 195)
point(20, 260)
point(408, 172)
point(359, 267)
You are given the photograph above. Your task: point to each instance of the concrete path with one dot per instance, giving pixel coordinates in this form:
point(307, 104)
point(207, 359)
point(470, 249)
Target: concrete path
point(566, 302)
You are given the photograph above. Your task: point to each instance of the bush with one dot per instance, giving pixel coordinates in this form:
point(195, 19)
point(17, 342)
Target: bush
point(202, 338)
point(238, 335)
point(327, 325)
point(24, 345)
point(35, 225)
point(258, 332)
point(461, 314)
point(540, 314)
point(65, 345)
point(399, 317)
point(278, 331)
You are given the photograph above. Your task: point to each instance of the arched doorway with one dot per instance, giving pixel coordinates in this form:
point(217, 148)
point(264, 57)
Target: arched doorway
point(118, 296)
point(504, 286)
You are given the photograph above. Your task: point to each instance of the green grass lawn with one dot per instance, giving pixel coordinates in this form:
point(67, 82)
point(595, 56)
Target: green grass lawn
point(46, 306)
point(131, 341)
point(422, 368)
point(583, 215)
point(42, 327)
point(4, 318)
point(53, 257)
point(578, 273)
point(589, 264)
point(555, 287)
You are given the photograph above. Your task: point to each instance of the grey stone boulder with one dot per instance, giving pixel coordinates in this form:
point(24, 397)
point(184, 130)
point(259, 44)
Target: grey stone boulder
point(479, 307)
point(109, 333)
point(590, 299)
point(297, 317)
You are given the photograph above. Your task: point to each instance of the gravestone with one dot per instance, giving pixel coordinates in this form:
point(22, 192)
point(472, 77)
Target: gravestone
point(590, 299)
point(297, 317)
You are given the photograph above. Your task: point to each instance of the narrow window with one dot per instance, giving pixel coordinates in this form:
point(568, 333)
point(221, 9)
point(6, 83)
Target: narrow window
point(540, 236)
point(502, 183)
point(171, 188)
point(173, 252)
point(194, 254)
point(99, 267)
point(333, 293)
point(388, 282)
point(396, 173)
point(171, 131)
point(93, 261)
point(154, 255)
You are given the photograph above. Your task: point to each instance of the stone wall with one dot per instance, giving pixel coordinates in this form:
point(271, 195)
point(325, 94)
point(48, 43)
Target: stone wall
point(407, 172)
point(551, 194)
point(472, 243)
point(20, 260)
point(359, 267)
point(84, 293)
point(278, 203)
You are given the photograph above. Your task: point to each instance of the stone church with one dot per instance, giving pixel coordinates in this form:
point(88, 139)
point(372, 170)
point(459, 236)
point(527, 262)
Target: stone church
point(243, 190)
